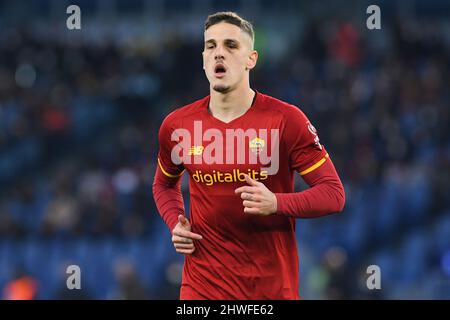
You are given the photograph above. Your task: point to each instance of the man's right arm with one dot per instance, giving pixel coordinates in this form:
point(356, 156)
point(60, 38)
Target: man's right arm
point(168, 196)
point(167, 181)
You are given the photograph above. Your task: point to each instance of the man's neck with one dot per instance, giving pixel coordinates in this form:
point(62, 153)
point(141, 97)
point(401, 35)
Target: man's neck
point(228, 106)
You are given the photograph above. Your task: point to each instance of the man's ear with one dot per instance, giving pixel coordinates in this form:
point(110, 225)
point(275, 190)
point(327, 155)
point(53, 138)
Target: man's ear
point(252, 59)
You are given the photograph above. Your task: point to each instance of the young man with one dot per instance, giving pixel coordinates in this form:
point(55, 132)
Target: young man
point(241, 149)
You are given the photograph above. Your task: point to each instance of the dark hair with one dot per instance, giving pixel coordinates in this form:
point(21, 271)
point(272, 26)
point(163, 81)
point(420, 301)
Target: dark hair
point(232, 18)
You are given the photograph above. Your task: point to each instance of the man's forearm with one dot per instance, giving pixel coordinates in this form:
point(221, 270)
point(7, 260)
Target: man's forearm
point(168, 198)
point(325, 196)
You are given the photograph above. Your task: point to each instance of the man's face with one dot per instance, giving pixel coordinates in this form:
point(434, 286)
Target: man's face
point(228, 56)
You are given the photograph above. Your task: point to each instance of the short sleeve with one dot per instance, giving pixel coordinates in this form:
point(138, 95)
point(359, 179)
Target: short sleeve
point(166, 145)
point(306, 153)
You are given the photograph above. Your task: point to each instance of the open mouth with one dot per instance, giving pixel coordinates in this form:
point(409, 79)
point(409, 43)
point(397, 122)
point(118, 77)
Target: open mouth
point(219, 70)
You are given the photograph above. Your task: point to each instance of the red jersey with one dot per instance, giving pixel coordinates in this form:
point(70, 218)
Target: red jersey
point(241, 256)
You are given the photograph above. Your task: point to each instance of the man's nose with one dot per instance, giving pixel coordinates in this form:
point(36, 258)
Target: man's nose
point(218, 55)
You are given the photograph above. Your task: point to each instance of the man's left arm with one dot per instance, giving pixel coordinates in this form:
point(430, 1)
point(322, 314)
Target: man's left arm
point(309, 158)
point(326, 194)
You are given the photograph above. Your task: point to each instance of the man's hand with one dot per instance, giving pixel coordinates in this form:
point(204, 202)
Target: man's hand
point(257, 198)
point(183, 238)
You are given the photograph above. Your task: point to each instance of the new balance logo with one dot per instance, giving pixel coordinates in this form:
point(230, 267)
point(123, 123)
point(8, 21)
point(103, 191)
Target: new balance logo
point(196, 150)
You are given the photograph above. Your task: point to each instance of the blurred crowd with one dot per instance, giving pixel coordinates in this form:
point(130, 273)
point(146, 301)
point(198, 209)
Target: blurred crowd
point(78, 144)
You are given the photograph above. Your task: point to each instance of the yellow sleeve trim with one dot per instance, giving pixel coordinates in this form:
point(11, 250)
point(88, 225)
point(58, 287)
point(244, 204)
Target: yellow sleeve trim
point(314, 166)
point(168, 174)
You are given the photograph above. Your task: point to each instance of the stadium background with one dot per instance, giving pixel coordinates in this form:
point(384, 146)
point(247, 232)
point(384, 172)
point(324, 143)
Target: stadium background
point(80, 112)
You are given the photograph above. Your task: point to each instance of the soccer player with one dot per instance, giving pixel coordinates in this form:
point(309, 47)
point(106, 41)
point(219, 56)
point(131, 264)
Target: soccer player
point(241, 149)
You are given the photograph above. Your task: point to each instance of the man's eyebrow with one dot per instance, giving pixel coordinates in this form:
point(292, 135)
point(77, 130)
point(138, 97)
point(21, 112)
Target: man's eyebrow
point(226, 40)
point(232, 41)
